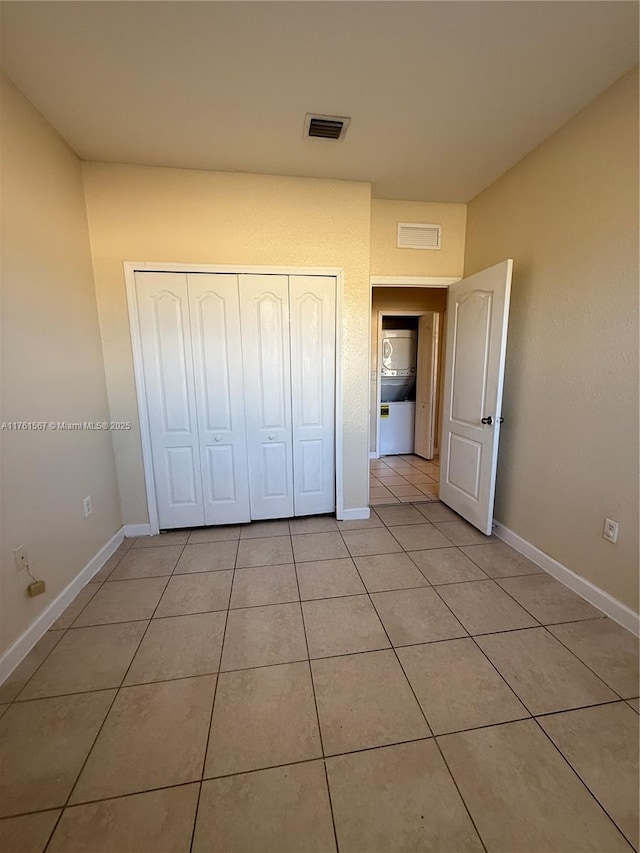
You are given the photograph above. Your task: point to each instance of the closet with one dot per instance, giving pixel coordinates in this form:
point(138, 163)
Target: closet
point(239, 383)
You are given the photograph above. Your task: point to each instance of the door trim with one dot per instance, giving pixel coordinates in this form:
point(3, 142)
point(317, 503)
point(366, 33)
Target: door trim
point(132, 267)
point(413, 280)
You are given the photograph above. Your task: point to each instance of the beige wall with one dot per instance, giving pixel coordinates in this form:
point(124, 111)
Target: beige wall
point(52, 369)
point(393, 300)
point(156, 214)
point(388, 260)
point(568, 216)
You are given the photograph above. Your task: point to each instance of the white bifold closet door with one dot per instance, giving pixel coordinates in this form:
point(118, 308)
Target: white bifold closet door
point(313, 347)
point(239, 374)
point(192, 362)
point(214, 309)
point(264, 303)
point(288, 341)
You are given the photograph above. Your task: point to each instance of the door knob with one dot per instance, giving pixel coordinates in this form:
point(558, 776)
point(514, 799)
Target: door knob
point(487, 420)
point(218, 438)
point(271, 436)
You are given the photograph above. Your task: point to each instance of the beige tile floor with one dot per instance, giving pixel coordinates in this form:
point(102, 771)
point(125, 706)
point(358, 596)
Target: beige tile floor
point(386, 685)
point(403, 479)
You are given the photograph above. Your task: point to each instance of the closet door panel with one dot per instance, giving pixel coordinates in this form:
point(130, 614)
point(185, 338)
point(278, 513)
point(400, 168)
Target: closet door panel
point(217, 366)
point(275, 468)
point(163, 313)
point(264, 303)
point(312, 305)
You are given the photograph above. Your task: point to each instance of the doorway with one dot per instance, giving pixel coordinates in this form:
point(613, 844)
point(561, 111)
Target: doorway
point(470, 387)
point(409, 322)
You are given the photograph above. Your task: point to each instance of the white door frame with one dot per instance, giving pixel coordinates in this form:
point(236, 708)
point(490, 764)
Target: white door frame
point(130, 269)
point(395, 281)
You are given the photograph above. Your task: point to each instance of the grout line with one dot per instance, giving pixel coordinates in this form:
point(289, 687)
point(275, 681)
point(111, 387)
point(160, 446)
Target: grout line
point(582, 782)
point(313, 688)
point(118, 687)
point(106, 716)
point(534, 627)
point(308, 661)
point(317, 758)
point(462, 799)
point(422, 711)
point(576, 656)
point(315, 703)
point(482, 651)
point(62, 632)
point(304, 660)
point(277, 604)
point(333, 820)
point(213, 703)
point(545, 626)
point(98, 800)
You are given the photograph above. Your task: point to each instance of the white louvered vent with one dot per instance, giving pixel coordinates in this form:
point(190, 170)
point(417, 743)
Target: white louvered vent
point(417, 235)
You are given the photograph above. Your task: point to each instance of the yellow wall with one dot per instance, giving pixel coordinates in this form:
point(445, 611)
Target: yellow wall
point(157, 214)
point(568, 216)
point(393, 300)
point(388, 260)
point(52, 369)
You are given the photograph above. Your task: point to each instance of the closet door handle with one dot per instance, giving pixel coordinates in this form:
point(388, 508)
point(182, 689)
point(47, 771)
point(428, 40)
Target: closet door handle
point(271, 436)
point(218, 438)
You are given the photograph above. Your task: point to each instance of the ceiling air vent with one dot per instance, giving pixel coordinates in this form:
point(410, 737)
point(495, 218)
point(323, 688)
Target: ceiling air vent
point(415, 235)
point(325, 127)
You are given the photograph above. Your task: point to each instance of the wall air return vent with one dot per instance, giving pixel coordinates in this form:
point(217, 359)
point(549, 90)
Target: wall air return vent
point(325, 127)
point(416, 235)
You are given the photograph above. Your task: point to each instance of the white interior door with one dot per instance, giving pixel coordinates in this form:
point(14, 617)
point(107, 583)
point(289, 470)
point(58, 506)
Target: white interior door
point(477, 316)
point(163, 311)
point(264, 306)
point(426, 382)
point(313, 346)
point(217, 364)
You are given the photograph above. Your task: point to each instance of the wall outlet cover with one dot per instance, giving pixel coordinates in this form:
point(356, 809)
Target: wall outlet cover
point(21, 558)
point(610, 530)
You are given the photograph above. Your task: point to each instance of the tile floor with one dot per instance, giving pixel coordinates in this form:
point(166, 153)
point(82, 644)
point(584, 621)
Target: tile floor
point(403, 479)
point(395, 684)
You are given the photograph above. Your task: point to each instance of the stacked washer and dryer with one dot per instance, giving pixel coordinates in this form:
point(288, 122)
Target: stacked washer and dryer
point(397, 391)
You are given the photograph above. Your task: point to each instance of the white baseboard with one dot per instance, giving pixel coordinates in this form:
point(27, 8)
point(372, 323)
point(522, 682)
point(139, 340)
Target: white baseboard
point(131, 530)
point(21, 647)
point(609, 605)
point(373, 455)
point(354, 514)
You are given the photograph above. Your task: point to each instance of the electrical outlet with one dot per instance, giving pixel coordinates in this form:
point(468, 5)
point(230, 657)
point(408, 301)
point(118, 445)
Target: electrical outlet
point(86, 506)
point(21, 558)
point(610, 531)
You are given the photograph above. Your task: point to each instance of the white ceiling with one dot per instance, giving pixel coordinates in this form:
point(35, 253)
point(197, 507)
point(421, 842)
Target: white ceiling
point(444, 96)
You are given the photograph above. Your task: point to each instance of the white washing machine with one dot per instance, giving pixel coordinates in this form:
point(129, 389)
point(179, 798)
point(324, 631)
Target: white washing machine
point(397, 426)
point(397, 378)
point(398, 367)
